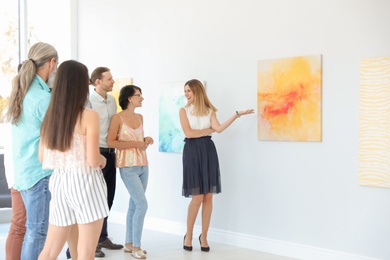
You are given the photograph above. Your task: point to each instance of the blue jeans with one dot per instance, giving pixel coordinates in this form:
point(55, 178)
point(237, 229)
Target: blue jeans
point(135, 179)
point(36, 200)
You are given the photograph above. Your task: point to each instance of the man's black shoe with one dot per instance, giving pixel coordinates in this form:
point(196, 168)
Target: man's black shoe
point(98, 253)
point(109, 245)
point(68, 254)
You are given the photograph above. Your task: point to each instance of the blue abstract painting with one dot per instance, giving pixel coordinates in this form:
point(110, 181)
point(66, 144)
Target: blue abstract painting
point(170, 133)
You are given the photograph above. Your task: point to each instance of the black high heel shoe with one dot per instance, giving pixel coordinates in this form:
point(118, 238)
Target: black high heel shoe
point(204, 249)
point(187, 248)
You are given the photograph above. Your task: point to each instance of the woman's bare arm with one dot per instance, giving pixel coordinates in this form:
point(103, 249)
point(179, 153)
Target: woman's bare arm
point(91, 121)
point(219, 128)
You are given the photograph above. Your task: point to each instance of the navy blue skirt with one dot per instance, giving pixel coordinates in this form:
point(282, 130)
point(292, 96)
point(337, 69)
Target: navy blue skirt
point(200, 167)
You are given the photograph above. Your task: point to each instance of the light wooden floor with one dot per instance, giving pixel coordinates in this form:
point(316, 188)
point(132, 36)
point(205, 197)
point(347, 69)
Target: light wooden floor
point(164, 246)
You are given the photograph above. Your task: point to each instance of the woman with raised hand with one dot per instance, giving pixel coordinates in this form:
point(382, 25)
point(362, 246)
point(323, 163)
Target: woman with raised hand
point(201, 176)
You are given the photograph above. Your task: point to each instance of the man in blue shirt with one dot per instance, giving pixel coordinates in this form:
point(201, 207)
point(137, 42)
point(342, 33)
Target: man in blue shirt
point(28, 103)
point(105, 105)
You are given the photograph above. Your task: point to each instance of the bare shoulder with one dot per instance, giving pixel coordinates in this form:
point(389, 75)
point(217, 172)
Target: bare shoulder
point(89, 118)
point(116, 117)
point(140, 115)
point(115, 120)
point(90, 112)
point(90, 115)
point(182, 112)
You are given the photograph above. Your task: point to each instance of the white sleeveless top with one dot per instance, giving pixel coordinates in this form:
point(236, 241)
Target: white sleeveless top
point(197, 122)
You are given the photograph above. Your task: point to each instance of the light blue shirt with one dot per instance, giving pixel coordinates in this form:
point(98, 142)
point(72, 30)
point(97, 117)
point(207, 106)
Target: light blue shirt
point(106, 108)
point(25, 136)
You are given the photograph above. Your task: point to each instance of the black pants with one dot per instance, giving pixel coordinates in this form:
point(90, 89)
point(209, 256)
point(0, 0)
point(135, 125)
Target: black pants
point(109, 173)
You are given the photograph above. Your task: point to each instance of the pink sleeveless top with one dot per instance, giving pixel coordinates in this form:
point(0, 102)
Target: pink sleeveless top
point(130, 156)
point(73, 159)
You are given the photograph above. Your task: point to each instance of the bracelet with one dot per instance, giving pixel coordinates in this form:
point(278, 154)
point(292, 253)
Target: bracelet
point(238, 115)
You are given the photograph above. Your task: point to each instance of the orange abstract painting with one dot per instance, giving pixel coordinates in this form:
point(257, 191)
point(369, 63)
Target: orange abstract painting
point(289, 99)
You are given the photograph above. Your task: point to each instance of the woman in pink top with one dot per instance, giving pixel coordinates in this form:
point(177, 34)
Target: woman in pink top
point(69, 145)
point(126, 133)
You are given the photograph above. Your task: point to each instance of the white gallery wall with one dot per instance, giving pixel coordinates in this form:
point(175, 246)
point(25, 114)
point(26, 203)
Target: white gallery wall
point(299, 199)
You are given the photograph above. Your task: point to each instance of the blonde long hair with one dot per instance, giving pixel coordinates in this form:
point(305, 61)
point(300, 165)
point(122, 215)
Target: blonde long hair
point(38, 55)
point(202, 104)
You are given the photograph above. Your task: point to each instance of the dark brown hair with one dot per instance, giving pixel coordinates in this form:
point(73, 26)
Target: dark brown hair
point(70, 93)
point(126, 92)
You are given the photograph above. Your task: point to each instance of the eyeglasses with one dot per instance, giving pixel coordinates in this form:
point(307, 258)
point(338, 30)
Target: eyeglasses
point(138, 95)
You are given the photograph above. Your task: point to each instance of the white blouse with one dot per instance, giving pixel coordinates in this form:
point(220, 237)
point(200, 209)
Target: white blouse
point(197, 122)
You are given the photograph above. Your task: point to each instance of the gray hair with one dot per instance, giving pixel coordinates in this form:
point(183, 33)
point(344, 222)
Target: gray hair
point(38, 55)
